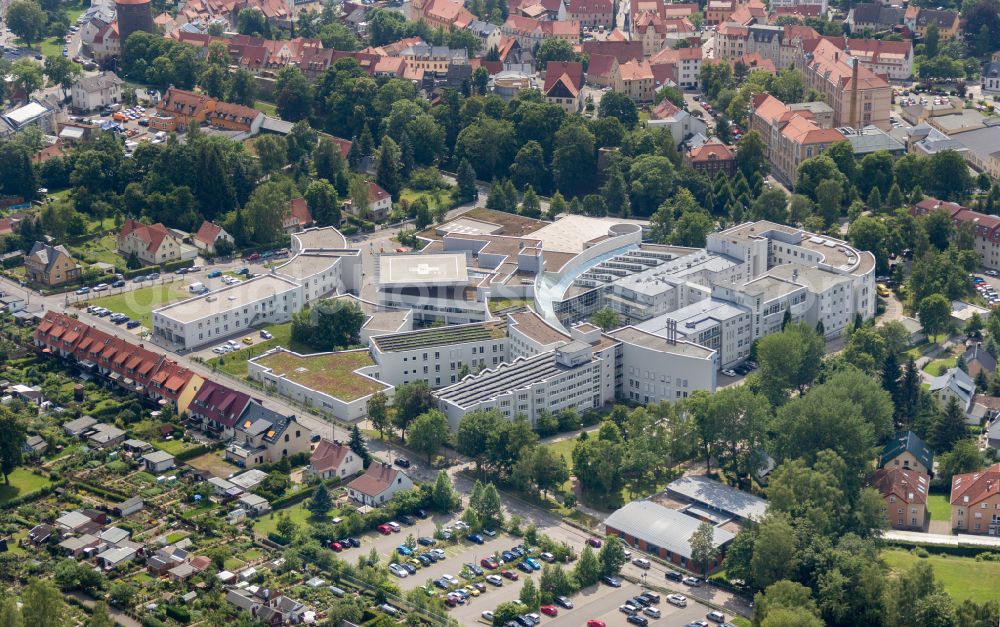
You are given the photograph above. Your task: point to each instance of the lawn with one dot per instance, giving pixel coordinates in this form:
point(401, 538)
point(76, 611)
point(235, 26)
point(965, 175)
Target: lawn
point(933, 367)
point(499, 304)
point(937, 505)
point(435, 199)
point(267, 107)
point(298, 514)
point(331, 373)
point(20, 482)
point(139, 304)
point(52, 46)
point(100, 249)
point(174, 447)
point(962, 577)
point(919, 350)
point(236, 363)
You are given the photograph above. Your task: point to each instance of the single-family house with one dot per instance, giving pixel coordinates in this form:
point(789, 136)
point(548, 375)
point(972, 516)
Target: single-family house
point(334, 459)
point(378, 484)
point(209, 235)
point(262, 435)
point(298, 217)
point(977, 359)
point(94, 92)
point(50, 265)
point(564, 84)
point(954, 384)
point(152, 244)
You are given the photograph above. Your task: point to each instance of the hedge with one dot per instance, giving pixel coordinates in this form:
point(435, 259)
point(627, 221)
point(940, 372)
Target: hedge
point(163, 268)
point(99, 491)
point(277, 538)
point(32, 496)
point(198, 451)
point(179, 614)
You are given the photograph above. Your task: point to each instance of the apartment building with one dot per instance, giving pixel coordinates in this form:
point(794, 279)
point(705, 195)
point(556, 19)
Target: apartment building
point(681, 124)
point(152, 244)
point(439, 356)
point(874, 16)
point(592, 13)
point(657, 33)
point(858, 96)
point(791, 136)
point(780, 4)
point(985, 227)
point(975, 502)
point(893, 59)
point(229, 311)
point(778, 44)
point(564, 85)
point(635, 80)
point(436, 60)
point(684, 66)
point(447, 14)
point(93, 92)
point(721, 325)
point(528, 32)
point(919, 19)
point(904, 497)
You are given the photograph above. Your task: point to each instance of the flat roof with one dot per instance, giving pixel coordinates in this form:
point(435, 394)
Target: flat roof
point(416, 269)
point(533, 326)
point(333, 374)
point(469, 226)
point(569, 233)
point(817, 279)
point(769, 287)
point(694, 318)
point(506, 377)
point(669, 274)
point(308, 264)
point(440, 336)
point(638, 337)
point(661, 526)
point(835, 252)
point(325, 237)
point(719, 496)
point(227, 298)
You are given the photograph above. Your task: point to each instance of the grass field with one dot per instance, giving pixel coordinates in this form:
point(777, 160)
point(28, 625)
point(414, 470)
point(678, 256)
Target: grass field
point(103, 249)
point(139, 304)
point(20, 482)
point(438, 198)
point(236, 363)
point(267, 107)
point(296, 513)
point(173, 447)
point(937, 505)
point(919, 350)
point(962, 577)
point(933, 367)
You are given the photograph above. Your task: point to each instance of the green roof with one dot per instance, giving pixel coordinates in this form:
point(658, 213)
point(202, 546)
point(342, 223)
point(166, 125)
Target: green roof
point(440, 336)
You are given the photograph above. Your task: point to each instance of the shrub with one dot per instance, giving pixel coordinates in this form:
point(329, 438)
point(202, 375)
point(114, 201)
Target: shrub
point(921, 552)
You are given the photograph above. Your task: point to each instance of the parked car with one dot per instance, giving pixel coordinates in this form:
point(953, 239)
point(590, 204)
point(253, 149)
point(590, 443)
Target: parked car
point(563, 602)
point(593, 622)
point(478, 539)
point(549, 610)
point(642, 563)
point(384, 529)
point(487, 562)
point(265, 335)
point(402, 462)
point(533, 563)
point(694, 582)
point(594, 542)
point(509, 574)
point(399, 571)
point(677, 599)
point(716, 616)
point(612, 581)
point(496, 580)
point(118, 283)
point(426, 541)
point(407, 520)
point(524, 567)
point(627, 608)
point(394, 526)
point(402, 549)
point(636, 619)
point(82, 291)
point(131, 324)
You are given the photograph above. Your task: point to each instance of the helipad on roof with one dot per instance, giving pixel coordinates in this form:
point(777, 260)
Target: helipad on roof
point(441, 269)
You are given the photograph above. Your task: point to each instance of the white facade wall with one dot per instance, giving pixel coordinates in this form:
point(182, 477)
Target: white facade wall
point(652, 376)
point(439, 366)
point(426, 308)
point(402, 482)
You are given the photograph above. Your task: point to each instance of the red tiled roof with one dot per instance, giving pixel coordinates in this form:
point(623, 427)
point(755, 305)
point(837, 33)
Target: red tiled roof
point(207, 232)
point(621, 50)
point(151, 234)
point(712, 150)
point(974, 487)
point(376, 480)
point(909, 486)
point(556, 70)
point(328, 455)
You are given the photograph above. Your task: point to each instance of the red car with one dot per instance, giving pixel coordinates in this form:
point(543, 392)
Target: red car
point(488, 563)
point(336, 546)
point(593, 622)
point(549, 610)
point(594, 542)
point(509, 574)
point(384, 530)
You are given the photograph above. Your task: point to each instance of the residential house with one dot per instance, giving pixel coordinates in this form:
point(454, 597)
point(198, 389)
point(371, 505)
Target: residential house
point(235, 117)
point(94, 92)
point(378, 484)
point(904, 496)
point(180, 108)
point(681, 124)
point(298, 217)
point(107, 42)
point(266, 606)
point(906, 451)
point(975, 502)
point(530, 32)
point(919, 19)
point(50, 265)
point(447, 14)
point(635, 80)
point(379, 204)
point(592, 13)
point(601, 70)
point(986, 228)
point(977, 359)
point(209, 235)
point(436, 60)
point(954, 384)
point(262, 435)
point(564, 84)
point(158, 461)
point(334, 459)
point(152, 244)
point(622, 50)
point(874, 16)
point(253, 504)
point(218, 408)
point(683, 65)
point(711, 158)
point(487, 34)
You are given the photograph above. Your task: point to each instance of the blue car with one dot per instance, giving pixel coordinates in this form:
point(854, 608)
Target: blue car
point(402, 549)
point(478, 539)
point(214, 274)
point(133, 324)
point(524, 567)
point(533, 563)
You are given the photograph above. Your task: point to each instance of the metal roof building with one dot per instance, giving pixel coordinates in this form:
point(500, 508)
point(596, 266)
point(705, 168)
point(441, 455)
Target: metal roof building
point(718, 497)
point(660, 530)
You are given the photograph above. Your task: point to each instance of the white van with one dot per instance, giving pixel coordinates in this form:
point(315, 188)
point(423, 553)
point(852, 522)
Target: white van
point(196, 287)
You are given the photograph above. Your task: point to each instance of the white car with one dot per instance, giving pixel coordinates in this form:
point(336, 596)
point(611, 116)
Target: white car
point(488, 616)
point(729, 372)
point(652, 612)
point(677, 599)
point(221, 350)
point(100, 287)
point(642, 563)
point(450, 579)
point(399, 571)
point(394, 525)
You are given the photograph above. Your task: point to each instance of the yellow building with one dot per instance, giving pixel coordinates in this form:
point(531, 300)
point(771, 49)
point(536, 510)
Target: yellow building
point(50, 265)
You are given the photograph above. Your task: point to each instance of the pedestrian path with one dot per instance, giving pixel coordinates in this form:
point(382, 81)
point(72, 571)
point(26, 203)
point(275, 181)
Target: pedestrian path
point(915, 537)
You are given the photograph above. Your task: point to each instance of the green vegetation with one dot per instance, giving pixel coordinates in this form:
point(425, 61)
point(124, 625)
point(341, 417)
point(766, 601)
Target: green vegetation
point(99, 249)
point(938, 507)
point(962, 577)
point(499, 304)
point(173, 447)
point(298, 514)
point(22, 481)
point(439, 199)
point(139, 304)
point(331, 373)
point(236, 363)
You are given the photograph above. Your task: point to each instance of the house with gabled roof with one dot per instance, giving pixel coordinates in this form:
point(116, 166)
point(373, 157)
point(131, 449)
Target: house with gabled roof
point(262, 435)
point(378, 484)
point(152, 244)
point(218, 407)
point(50, 265)
point(904, 496)
point(298, 217)
point(977, 359)
point(334, 459)
point(906, 451)
point(209, 234)
point(954, 383)
point(975, 501)
point(564, 84)
point(711, 158)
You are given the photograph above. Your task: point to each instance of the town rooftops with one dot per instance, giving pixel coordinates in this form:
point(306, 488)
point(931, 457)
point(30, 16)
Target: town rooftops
point(440, 336)
point(907, 441)
point(661, 526)
point(909, 486)
point(712, 150)
point(376, 479)
point(328, 455)
point(207, 232)
point(219, 403)
point(637, 337)
point(972, 488)
point(958, 382)
point(99, 82)
point(719, 496)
